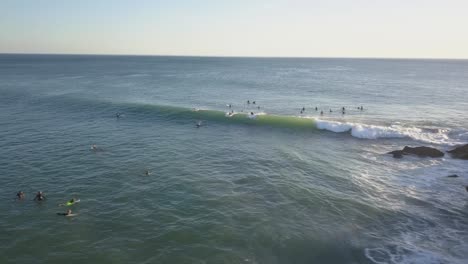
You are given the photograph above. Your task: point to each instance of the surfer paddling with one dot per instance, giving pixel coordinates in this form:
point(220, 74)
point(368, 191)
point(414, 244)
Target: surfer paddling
point(68, 213)
point(71, 202)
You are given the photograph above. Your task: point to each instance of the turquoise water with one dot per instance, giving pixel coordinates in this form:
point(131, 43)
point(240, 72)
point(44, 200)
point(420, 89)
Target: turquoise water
point(277, 186)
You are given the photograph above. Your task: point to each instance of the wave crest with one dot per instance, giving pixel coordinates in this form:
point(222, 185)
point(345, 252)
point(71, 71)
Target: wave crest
point(439, 136)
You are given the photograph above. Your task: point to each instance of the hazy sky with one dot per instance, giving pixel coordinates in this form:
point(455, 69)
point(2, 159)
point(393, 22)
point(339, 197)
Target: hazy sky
point(298, 28)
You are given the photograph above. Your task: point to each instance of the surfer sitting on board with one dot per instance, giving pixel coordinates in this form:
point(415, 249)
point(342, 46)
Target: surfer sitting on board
point(20, 195)
point(39, 196)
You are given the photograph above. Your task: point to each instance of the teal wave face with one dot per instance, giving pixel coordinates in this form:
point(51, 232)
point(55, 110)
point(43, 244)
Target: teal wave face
point(260, 119)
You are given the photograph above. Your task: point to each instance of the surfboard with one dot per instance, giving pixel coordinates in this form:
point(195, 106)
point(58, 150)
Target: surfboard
point(65, 214)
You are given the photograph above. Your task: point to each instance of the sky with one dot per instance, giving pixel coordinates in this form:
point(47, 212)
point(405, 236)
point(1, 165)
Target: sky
point(258, 28)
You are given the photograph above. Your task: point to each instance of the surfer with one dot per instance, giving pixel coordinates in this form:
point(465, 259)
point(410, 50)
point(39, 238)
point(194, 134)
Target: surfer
point(20, 195)
point(303, 109)
point(39, 196)
point(68, 213)
point(253, 102)
point(343, 109)
point(316, 108)
point(94, 147)
point(466, 187)
point(258, 107)
point(230, 105)
point(147, 172)
point(118, 115)
point(248, 101)
point(71, 202)
point(198, 125)
point(321, 112)
point(251, 113)
point(331, 111)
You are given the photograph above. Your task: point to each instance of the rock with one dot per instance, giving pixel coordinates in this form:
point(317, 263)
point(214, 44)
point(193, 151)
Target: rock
point(418, 151)
point(397, 154)
point(424, 152)
point(453, 176)
point(460, 152)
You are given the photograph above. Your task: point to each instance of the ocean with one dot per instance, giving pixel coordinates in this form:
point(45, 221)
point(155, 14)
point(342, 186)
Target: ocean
point(237, 174)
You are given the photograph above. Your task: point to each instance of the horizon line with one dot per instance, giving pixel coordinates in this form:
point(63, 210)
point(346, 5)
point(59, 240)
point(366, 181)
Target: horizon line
point(228, 56)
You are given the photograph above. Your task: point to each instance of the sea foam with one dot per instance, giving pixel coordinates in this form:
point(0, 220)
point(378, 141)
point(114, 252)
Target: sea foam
point(365, 131)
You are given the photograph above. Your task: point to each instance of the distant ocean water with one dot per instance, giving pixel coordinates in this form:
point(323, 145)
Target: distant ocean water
point(265, 184)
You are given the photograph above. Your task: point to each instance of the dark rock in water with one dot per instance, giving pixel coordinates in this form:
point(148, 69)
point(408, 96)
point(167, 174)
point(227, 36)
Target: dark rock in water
point(460, 152)
point(453, 176)
point(424, 152)
point(418, 151)
point(397, 154)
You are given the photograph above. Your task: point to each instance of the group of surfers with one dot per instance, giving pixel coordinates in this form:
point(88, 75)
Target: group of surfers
point(303, 109)
point(41, 197)
point(343, 110)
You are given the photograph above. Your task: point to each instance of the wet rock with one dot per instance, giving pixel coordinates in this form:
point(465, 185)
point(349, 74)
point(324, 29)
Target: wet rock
point(418, 151)
point(460, 152)
point(397, 154)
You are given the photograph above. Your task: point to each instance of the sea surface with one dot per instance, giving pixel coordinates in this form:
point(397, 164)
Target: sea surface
point(265, 184)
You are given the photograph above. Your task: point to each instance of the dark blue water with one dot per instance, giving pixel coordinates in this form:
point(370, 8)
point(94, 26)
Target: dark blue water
point(275, 186)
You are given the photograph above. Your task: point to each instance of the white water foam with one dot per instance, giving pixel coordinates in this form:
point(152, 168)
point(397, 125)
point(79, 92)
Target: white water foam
point(406, 256)
point(439, 136)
